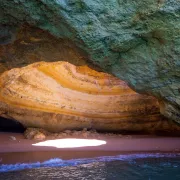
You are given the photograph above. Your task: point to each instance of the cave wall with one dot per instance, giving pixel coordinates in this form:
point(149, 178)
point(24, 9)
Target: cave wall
point(57, 96)
point(34, 45)
point(137, 41)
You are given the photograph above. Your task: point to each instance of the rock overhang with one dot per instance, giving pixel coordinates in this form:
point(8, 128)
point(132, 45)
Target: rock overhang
point(135, 41)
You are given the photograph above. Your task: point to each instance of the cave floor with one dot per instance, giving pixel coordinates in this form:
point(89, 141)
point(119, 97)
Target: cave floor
point(14, 148)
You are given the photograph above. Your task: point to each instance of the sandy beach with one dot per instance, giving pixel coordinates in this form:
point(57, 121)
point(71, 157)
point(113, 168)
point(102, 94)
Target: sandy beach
point(14, 148)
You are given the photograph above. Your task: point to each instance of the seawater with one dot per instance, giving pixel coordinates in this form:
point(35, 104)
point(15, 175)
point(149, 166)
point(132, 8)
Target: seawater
point(123, 167)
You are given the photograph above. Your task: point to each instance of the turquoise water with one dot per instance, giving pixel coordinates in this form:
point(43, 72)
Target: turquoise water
point(125, 167)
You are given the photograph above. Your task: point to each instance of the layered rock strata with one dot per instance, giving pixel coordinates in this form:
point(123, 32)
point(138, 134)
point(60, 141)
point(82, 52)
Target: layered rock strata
point(137, 41)
point(58, 96)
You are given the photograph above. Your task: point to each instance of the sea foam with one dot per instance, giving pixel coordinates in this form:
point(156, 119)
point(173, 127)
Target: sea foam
point(56, 162)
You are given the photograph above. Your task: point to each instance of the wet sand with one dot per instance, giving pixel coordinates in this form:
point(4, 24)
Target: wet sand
point(14, 148)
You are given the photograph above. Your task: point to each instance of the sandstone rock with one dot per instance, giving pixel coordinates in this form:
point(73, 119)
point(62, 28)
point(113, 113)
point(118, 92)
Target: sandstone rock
point(39, 136)
point(29, 133)
point(60, 96)
point(36, 133)
point(76, 133)
point(137, 41)
point(33, 44)
point(13, 138)
point(67, 131)
point(85, 134)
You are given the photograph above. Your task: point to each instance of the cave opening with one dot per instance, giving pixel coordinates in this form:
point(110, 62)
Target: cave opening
point(63, 70)
point(10, 125)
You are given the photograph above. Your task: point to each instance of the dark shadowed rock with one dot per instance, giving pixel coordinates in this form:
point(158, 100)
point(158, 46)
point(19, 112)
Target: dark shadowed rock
point(9, 125)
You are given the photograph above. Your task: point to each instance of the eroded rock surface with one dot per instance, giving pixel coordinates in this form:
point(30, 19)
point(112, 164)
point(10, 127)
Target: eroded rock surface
point(33, 133)
point(59, 96)
point(33, 45)
point(137, 41)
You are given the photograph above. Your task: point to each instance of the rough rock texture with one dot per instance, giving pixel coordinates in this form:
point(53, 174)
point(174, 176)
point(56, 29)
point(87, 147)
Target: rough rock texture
point(137, 41)
point(33, 44)
point(33, 133)
point(58, 96)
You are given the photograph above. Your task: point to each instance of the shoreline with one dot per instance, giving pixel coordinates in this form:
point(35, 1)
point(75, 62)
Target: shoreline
point(21, 150)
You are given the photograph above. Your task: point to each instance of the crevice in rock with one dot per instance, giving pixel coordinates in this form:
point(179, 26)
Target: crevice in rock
point(11, 125)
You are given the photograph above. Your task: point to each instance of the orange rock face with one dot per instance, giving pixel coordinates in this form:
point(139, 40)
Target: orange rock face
point(58, 96)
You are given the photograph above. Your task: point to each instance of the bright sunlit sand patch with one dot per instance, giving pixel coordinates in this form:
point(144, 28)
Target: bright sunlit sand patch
point(71, 143)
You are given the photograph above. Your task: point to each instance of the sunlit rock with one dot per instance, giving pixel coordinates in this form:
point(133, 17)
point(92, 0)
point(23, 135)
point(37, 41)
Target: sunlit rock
point(59, 96)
